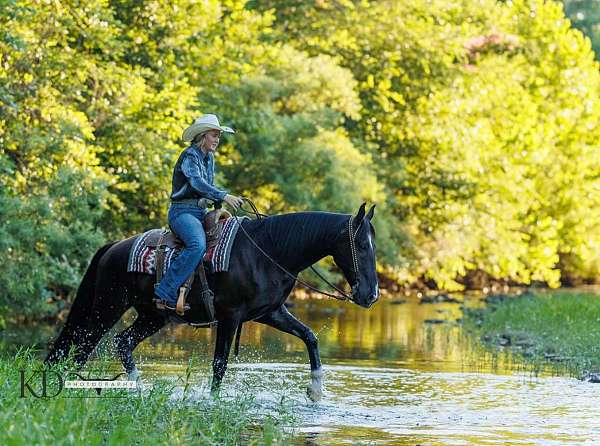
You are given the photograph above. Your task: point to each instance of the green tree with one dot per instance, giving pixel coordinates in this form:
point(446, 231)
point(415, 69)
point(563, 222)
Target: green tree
point(481, 120)
point(585, 16)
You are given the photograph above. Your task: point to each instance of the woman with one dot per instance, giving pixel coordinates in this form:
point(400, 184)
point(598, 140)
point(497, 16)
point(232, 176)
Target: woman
point(193, 183)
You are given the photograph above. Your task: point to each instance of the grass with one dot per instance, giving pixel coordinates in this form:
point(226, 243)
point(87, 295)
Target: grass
point(149, 417)
point(559, 330)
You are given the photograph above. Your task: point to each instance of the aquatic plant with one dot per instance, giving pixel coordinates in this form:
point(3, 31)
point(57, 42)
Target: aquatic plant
point(559, 331)
point(168, 410)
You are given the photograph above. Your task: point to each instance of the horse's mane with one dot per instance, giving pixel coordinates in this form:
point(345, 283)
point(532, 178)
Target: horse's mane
point(286, 234)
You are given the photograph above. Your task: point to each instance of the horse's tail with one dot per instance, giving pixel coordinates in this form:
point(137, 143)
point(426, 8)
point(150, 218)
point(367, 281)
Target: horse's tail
point(79, 310)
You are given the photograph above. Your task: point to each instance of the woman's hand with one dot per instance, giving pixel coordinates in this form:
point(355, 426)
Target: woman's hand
point(233, 201)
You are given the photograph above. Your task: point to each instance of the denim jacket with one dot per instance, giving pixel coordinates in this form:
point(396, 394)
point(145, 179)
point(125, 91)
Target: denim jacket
point(194, 176)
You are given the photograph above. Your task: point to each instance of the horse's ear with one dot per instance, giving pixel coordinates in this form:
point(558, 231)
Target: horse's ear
point(359, 217)
point(371, 213)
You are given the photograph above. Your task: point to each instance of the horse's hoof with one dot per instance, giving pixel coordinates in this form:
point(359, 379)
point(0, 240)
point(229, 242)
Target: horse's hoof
point(135, 376)
point(215, 392)
point(314, 393)
point(139, 385)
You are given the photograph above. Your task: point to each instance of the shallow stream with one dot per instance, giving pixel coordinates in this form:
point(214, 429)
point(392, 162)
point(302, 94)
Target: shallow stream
point(395, 374)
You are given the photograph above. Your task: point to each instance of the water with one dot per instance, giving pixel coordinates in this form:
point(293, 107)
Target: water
point(391, 378)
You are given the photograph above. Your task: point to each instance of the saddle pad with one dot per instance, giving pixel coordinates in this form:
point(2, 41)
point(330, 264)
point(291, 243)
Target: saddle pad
point(142, 258)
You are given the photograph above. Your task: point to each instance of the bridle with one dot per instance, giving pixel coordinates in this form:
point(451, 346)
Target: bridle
point(351, 234)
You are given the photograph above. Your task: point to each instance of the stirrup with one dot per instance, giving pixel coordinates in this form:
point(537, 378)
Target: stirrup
point(182, 306)
point(163, 305)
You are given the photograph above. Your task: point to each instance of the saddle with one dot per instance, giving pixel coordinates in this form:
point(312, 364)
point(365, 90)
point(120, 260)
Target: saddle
point(201, 296)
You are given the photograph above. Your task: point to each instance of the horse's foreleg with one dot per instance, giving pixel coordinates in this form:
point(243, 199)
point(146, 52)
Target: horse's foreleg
point(225, 331)
point(146, 324)
point(281, 319)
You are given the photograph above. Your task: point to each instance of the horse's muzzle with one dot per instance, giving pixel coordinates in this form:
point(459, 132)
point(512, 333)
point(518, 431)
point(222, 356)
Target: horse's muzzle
point(366, 303)
point(374, 297)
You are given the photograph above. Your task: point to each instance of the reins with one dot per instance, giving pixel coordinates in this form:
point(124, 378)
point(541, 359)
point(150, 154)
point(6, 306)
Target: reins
point(343, 296)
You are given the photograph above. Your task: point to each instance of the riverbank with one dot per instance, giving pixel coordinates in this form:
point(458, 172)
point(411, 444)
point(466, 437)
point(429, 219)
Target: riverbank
point(168, 412)
point(390, 378)
point(555, 330)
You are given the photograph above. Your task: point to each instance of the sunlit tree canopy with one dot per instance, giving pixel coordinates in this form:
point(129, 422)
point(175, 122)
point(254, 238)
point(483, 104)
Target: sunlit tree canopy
point(472, 125)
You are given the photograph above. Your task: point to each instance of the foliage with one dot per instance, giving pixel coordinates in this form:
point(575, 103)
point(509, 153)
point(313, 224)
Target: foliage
point(47, 241)
point(585, 16)
point(472, 125)
point(558, 329)
point(148, 418)
point(482, 121)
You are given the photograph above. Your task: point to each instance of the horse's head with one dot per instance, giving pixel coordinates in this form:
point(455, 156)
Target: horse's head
point(355, 255)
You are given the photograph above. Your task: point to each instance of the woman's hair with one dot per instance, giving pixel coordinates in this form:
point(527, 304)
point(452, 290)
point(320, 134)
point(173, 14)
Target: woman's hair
point(197, 141)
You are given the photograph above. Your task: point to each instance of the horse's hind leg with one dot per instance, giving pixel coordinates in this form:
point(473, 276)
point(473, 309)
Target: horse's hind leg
point(225, 331)
point(281, 319)
point(146, 324)
point(70, 336)
point(107, 310)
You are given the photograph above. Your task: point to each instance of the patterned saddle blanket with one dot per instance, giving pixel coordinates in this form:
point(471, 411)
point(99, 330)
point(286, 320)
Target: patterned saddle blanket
point(142, 257)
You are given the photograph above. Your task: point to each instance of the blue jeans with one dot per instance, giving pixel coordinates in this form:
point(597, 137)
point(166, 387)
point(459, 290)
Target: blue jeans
point(186, 222)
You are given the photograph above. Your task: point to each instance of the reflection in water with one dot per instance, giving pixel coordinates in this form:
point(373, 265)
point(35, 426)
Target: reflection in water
point(391, 378)
point(385, 333)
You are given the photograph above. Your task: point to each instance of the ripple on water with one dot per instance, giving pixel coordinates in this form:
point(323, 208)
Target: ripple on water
point(390, 378)
point(395, 405)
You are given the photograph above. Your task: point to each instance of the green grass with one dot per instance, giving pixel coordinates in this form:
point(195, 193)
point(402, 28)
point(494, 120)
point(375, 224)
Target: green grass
point(559, 330)
point(151, 417)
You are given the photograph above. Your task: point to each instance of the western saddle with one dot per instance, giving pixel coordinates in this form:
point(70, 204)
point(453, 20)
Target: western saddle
point(213, 227)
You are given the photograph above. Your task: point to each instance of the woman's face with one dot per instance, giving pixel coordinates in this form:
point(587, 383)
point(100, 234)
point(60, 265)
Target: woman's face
point(211, 140)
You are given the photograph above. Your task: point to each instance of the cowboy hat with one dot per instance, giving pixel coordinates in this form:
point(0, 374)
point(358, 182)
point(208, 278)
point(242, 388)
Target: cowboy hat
point(202, 124)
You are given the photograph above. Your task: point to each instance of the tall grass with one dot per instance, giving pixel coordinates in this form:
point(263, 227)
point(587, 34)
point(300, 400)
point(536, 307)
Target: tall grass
point(559, 330)
point(152, 417)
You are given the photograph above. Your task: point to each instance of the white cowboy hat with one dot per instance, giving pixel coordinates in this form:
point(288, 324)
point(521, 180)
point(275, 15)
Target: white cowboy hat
point(202, 124)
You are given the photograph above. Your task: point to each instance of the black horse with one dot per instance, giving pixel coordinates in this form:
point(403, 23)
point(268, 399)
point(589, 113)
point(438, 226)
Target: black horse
point(254, 288)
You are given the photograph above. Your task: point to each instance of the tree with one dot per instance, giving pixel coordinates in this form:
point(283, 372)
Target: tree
point(469, 107)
